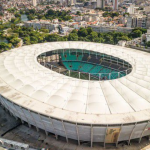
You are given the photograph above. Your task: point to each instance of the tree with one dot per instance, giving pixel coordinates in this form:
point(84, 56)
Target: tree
point(141, 29)
point(44, 30)
point(50, 12)
point(110, 14)
point(148, 44)
point(93, 35)
point(101, 40)
point(13, 20)
point(78, 13)
point(11, 10)
point(26, 40)
point(67, 18)
point(15, 42)
point(89, 30)
point(47, 7)
point(136, 33)
point(41, 38)
point(114, 14)
point(33, 40)
point(17, 15)
point(109, 39)
point(74, 31)
point(82, 32)
point(73, 37)
point(126, 14)
point(31, 17)
point(106, 14)
point(125, 38)
point(65, 38)
point(52, 37)
point(5, 46)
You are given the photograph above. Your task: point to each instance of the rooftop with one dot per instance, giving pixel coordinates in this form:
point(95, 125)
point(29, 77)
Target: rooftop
point(25, 82)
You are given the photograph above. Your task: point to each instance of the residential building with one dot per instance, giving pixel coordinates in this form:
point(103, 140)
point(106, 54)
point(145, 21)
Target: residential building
point(131, 9)
point(87, 18)
point(141, 21)
point(138, 20)
point(129, 21)
point(102, 28)
point(38, 24)
point(78, 18)
point(148, 35)
point(148, 21)
point(6, 16)
point(1, 8)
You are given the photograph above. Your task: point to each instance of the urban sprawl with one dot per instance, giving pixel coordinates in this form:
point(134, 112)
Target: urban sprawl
point(62, 20)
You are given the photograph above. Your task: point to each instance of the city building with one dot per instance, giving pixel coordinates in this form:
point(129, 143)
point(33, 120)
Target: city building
point(12, 145)
point(67, 2)
point(137, 20)
point(147, 35)
point(78, 18)
point(34, 2)
point(7, 16)
point(131, 9)
point(108, 28)
point(129, 21)
point(115, 4)
point(148, 21)
point(87, 18)
point(38, 24)
point(101, 4)
point(65, 30)
point(141, 21)
point(1, 8)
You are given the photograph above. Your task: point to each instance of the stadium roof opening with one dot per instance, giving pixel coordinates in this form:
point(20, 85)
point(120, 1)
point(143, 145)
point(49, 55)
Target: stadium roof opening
point(85, 64)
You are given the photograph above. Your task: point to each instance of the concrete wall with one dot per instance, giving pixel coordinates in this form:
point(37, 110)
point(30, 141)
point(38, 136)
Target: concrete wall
point(80, 132)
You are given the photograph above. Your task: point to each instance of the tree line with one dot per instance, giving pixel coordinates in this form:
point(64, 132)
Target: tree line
point(31, 36)
point(49, 15)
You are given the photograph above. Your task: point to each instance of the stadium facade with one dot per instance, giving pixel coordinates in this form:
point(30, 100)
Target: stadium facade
point(106, 111)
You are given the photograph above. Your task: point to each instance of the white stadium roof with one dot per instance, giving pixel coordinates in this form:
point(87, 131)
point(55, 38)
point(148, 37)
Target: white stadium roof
point(27, 83)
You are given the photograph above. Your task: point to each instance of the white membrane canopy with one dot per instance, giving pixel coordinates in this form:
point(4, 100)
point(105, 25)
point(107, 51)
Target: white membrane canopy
point(39, 89)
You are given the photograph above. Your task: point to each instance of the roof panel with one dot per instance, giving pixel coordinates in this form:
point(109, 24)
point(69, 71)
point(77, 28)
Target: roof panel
point(122, 97)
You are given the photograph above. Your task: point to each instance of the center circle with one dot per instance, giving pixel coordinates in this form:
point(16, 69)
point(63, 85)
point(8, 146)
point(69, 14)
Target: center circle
point(85, 64)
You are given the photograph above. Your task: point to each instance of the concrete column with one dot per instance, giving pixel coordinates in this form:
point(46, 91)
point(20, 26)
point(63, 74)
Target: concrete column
point(77, 134)
point(53, 128)
point(105, 136)
point(143, 131)
point(65, 130)
point(16, 111)
point(131, 134)
point(26, 118)
point(34, 120)
point(5, 104)
point(43, 125)
point(91, 136)
point(119, 135)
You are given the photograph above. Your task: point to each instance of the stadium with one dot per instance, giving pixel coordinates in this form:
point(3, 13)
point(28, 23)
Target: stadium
point(88, 92)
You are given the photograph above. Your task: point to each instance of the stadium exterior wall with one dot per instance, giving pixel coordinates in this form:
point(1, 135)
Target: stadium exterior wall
point(107, 133)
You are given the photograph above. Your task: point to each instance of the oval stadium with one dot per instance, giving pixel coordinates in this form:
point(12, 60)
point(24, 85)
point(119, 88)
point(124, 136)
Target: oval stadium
point(88, 92)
